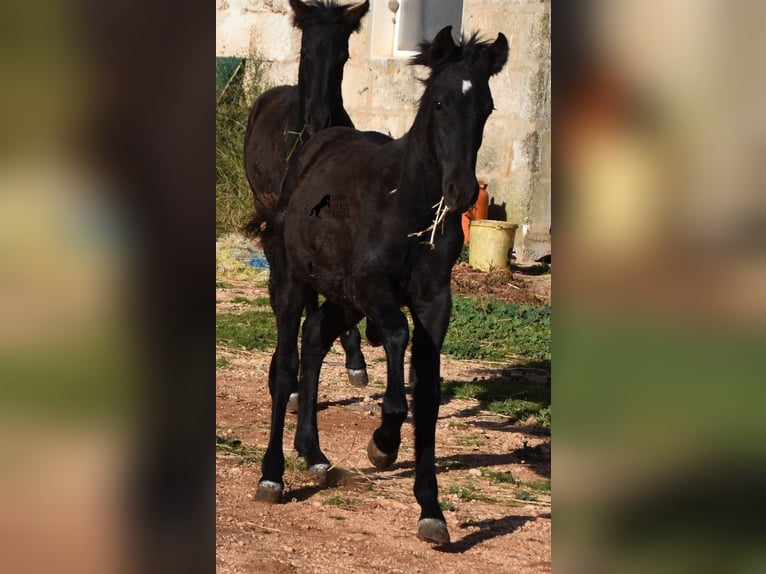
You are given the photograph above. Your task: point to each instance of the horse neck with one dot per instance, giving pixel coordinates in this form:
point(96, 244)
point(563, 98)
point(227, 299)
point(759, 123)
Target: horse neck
point(339, 115)
point(420, 180)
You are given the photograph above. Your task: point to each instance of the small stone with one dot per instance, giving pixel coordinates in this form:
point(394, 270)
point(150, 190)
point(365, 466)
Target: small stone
point(475, 472)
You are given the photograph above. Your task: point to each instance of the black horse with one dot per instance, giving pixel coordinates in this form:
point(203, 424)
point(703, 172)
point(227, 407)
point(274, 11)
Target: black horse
point(283, 118)
point(378, 246)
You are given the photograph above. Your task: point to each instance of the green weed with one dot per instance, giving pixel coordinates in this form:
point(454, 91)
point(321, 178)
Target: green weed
point(249, 330)
point(446, 506)
point(524, 495)
point(464, 492)
point(458, 425)
point(505, 477)
point(233, 445)
point(221, 362)
point(522, 410)
point(498, 331)
point(238, 83)
point(512, 394)
point(257, 301)
point(538, 485)
point(469, 440)
point(340, 501)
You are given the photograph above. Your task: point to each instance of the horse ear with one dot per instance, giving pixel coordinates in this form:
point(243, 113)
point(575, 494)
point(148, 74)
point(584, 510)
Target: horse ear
point(496, 55)
point(438, 52)
point(301, 13)
point(353, 15)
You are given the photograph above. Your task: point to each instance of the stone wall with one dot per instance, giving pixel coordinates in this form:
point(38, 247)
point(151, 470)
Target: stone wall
point(380, 93)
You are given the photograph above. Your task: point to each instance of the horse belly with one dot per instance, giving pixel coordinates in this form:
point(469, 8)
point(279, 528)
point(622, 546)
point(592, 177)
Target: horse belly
point(319, 246)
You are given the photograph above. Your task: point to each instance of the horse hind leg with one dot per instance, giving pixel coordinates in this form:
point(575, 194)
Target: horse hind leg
point(320, 329)
point(283, 372)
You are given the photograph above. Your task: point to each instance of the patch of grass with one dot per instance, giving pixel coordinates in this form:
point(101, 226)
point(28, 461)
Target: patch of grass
point(340, 501)
point(504, 477)
point(221, 362)
point(524, 495)
point(233, 445)
point(458, 425)
point(498, 331)
point(297, 464)
point(249, 330)
point(513, 394)
point(337, 517)
point(538, 485)
point(521, 410)
point(446, 506)
point(469, 440)
point(495, 477)
point(257, 301)
point(464, 492)
point(481, 390)
point(450, 464)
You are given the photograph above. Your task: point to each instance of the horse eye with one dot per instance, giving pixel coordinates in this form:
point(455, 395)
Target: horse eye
point(437, 105)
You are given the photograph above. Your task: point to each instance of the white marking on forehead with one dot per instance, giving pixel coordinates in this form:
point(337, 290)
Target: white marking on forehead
point(467, 85)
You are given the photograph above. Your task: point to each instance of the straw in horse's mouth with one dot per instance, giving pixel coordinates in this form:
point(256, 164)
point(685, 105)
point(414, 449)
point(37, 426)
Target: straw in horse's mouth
point(441, 211)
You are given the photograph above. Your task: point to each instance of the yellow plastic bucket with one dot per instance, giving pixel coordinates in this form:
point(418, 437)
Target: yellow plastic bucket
point(491, 244)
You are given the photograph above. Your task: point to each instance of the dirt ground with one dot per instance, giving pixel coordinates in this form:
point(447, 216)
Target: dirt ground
point(366, 520)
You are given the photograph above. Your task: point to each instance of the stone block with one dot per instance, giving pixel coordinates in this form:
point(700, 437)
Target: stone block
point(274, 36)
point(357, 82)
point(394, 85)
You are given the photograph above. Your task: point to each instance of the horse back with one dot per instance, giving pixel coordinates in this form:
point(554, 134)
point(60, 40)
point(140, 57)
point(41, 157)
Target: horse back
point(332, 207)
point(268, 143)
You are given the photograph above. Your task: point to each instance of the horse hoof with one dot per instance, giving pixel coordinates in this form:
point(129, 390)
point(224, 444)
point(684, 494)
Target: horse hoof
point(292, 403)
point(379, 458)
point(433, 530)
point(269, 492)
point(319, 473)
point(357, 377)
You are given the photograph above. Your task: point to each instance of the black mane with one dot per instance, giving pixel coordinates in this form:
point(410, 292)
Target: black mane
point(468, 49)
point(323, 13)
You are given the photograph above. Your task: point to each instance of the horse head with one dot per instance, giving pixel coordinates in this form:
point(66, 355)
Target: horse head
point(326, 28)
point(455, 106)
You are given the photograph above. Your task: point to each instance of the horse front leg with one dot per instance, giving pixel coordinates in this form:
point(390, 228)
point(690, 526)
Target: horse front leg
point(383, 448)
point(431, 320)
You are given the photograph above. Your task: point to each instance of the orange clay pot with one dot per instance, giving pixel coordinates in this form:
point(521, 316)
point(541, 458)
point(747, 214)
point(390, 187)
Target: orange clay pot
point(477, 211)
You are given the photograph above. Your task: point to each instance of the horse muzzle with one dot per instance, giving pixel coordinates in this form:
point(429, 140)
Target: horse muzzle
point(460, 195)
